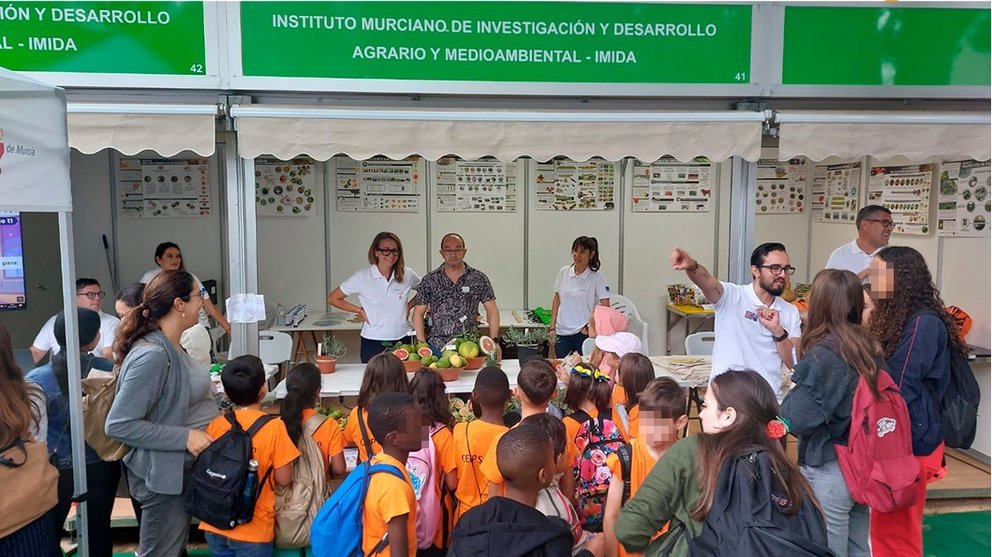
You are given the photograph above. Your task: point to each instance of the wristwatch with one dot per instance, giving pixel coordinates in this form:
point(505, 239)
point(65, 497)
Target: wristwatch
point(785, 335)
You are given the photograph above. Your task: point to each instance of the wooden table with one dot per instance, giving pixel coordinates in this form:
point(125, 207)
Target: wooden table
point(306, 335)
point(686, 314)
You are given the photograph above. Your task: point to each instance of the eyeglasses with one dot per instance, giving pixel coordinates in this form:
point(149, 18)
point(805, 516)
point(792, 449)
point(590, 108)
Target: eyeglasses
point(93, 295)
point(886, 223)
point(452, 251)
point(778, 269)
point(388, 251)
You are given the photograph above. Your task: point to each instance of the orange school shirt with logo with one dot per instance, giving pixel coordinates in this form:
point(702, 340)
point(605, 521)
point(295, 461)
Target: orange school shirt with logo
point(633, 414)
point(641, 463)
point(387, 498)
point(472, 442)
point(328, 437)
point(272, 448)
point(353, 434)
point(490, 469)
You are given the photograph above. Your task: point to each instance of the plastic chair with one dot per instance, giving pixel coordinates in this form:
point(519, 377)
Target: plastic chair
point(635, 324)
point(274, 347)
point(700, 344)
point(587, 346)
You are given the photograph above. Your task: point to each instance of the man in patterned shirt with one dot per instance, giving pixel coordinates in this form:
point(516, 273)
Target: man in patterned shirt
point(452, 293)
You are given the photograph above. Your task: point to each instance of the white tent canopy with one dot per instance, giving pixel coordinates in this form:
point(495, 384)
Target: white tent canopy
point(319, 132)
point(34, 176)
point(884, 135)
point(129, 128)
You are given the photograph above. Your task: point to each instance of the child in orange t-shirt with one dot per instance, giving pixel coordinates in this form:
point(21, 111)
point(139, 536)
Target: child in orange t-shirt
point(428, 390)
point(244, 383)
point(633, 374)
point(663, 405)
point(389, 513)
point(383, 374)
point(536, 386)
point(302, 394)
point(471, 440)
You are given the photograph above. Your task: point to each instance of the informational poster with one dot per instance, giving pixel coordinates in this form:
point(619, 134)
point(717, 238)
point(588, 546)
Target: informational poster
point(904, 190)
point(964, 206)
point(565, 185)
point(476, 186)
point(834, 192)
point(379, 184)
point(670, 186)
point(285, 188)
point(158, 188)
point(782, 187)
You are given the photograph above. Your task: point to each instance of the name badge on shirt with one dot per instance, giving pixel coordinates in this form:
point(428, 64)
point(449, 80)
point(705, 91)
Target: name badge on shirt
point(462, 318)
point(465, 289)
point(751, 315)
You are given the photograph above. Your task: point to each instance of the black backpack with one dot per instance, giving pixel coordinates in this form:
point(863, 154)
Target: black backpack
point(747, 517)
point(959, 406)
point(217, 482)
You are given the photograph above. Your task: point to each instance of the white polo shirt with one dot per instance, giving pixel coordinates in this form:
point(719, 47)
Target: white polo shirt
point(384, 301)
point(203, 317)
point(850, 257)
point(108, 332)
point(744, 343)
point(578, 295)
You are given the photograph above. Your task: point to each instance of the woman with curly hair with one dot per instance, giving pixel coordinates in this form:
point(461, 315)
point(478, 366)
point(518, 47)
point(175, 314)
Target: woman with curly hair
point(917, 336)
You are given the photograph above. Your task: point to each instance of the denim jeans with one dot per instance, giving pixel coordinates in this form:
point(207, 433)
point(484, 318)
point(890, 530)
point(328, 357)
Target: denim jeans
point(226, 547)
point(847, 521)
point(566, 344)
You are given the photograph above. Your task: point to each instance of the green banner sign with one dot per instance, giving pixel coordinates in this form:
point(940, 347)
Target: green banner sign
point(164, 38)
point(548, 42)
point(886, 46)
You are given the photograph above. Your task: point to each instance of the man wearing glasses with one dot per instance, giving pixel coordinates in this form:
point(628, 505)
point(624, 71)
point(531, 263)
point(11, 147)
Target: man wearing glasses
point(89, 295)
point(452, 293)
point(874, 224)
point(755, 328)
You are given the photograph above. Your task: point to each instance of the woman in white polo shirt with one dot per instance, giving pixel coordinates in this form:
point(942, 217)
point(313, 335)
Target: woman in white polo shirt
point(383, 290)
point(578, 288)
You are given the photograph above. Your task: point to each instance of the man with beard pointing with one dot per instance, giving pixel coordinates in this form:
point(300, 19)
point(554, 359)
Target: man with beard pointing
point(755, 328)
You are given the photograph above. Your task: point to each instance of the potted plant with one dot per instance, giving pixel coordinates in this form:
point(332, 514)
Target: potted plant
point(329, 349)
point(530, 342)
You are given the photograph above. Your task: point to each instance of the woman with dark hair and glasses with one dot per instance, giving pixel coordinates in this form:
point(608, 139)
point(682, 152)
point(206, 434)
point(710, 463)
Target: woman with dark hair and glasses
point(579, 287)
point(383, 290)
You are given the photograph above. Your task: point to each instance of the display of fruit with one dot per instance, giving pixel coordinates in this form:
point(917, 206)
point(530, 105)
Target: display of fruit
point(401, 353)
point(487, 345)
point(424, 351)
point(468, 349)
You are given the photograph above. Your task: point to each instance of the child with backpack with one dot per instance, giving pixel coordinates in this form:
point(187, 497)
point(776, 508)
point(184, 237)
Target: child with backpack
point(633, 375)
point(374, 512)
point(383, 374)
point(511, 525)
point(839, 357)
point(245, 438)
point(321, 447)
point(731, 490)
point(663, 405)
point(432, 468)
point(550, 500)
point(536, 386)
point(472, 440)
point(591, 438)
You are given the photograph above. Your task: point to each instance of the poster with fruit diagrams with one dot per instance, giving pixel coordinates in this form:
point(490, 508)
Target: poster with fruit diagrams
point(379, 184)
point(161, 188)
point(904, 190)
point(476, 186)
point(285, 188)
point(964, 204)
point(565, 185)
point(834, 192)
point(670, 186)
point(782, 187)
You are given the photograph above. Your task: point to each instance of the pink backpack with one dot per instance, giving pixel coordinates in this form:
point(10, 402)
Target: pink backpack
point(878, 462)
point(422, 466)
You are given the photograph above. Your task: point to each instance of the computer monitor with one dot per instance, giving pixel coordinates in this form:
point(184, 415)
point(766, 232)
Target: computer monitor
point(13, 294)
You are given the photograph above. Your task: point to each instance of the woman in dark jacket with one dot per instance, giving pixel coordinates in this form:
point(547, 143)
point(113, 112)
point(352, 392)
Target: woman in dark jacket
point(918, 337)
point(836, 352)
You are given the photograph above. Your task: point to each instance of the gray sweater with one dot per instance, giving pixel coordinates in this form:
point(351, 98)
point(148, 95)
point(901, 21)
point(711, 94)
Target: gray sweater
point(149, 413)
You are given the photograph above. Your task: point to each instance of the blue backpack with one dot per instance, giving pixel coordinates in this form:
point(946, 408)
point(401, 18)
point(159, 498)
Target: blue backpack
point(337, 528)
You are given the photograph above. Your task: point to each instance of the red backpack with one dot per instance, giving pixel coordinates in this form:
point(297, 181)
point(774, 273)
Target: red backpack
point(878, 462)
